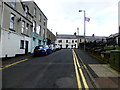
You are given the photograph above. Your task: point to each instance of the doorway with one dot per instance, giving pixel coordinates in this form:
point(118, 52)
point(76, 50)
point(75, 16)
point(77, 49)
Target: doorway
point(26, 47)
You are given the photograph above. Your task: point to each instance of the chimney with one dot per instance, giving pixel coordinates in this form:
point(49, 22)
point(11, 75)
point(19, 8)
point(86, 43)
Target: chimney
point(78, 31)
point(56, 33)
point(75, 33)
point(93, 35)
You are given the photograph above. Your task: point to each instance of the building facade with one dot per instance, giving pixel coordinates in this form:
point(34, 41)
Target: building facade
point(22, 27)
point(50, 37)
point(112, 40)
point(15, 29)
point(76, 41)
point(119, 23)
point(66, 41)
point(39, 20)
point(1, 6)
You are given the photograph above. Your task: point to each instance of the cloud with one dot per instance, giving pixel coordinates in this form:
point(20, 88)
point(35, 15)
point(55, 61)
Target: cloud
point(63, 16)
point(106, 21)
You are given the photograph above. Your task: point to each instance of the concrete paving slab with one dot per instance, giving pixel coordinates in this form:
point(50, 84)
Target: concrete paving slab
point(103, 70)
point(107, 77)
point(105, 82)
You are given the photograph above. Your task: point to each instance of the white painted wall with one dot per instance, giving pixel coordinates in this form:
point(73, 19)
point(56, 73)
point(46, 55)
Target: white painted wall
point(11, 44)
point(118, 14)
point(34, 44)
point(69, 42)
point(0, 27)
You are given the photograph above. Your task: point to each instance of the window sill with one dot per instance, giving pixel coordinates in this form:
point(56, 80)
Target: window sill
point(11, 29)
point(25, 34)
point(21, 48)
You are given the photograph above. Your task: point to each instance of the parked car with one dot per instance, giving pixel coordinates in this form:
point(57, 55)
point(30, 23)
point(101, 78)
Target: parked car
point(42, 50)
point(69, 47)
point(52, 46)
point(57, 47)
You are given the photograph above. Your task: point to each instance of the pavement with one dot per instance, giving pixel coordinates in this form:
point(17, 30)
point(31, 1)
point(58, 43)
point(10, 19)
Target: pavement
point(106, 77)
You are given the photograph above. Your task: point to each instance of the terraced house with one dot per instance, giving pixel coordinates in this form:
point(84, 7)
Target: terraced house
point(50, 37)
point(66, 41)
point(15, 29)
point(119, 23)
point(39, 21)
point(23, 26)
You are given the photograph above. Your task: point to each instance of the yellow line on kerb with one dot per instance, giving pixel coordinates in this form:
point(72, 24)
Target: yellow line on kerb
point(13, 64)
point(80, 70)
point(77, 74)
point(81, 73)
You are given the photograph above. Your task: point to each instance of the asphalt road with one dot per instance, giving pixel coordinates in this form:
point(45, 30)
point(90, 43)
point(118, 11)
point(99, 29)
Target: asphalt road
point(52, 71)
point(61, 69)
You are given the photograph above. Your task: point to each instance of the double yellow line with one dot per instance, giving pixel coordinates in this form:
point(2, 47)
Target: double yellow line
point(79, 73)
point(13, 64)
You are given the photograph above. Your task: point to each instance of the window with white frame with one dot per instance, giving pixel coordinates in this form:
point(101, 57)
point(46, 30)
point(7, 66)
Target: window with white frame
point(38, 31)
point(44, 22)
point(34, 11)
point(23, 27)
point(12, 20)
point(40, 17)
point(66, 41)
point(72, 41)
point(34, 26)
point(80, 40)
point(22, 44)
point(27, 28)
point(26, 11)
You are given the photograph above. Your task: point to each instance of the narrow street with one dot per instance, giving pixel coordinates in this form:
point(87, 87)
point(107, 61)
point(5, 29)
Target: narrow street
point(60, 44)
point(61, 69)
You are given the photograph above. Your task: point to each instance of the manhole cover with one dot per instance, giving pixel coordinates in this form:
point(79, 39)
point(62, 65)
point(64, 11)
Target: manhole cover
point(66, 82)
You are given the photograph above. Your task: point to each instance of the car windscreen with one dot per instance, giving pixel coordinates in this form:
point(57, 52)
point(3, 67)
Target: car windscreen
point(46, 46)
point(39, 47)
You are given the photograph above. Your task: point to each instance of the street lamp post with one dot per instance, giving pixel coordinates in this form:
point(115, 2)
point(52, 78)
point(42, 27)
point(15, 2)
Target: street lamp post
point(119, 37)
point(84, 28)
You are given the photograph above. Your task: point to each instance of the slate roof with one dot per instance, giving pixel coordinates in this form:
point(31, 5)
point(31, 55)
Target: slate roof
point(66, 36)
point(69, 36)
point(96, 37)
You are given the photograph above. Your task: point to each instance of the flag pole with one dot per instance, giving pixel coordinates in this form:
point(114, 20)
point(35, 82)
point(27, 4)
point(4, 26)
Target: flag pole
point(84, 27)
point(84, 31)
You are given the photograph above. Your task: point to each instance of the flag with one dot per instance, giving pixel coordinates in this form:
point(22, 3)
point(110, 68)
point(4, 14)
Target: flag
point(87, 19)
point(59, 41)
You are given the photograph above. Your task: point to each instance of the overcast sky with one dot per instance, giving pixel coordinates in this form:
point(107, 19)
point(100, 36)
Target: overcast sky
point(64, 18)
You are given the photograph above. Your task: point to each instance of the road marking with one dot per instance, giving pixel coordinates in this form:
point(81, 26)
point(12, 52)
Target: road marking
point(77, 75)
point(13, 64)
point(81, 73)
point(80, 70)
